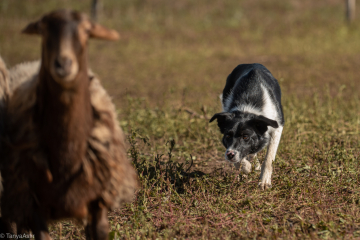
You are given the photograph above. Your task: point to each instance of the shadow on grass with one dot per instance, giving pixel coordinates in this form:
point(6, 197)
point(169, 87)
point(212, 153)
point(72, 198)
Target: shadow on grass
point(163, 170)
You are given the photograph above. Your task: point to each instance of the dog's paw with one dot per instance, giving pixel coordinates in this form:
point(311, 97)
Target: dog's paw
point(257, 166)
point(264, 186)
point(245, 167)
point(265, 176)
point(265, 180)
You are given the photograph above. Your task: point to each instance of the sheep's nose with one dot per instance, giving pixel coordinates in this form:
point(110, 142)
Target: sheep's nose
point(63, 66)
point(230, 154)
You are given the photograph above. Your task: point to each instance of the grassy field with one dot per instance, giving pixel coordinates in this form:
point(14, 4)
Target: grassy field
point(165, 76)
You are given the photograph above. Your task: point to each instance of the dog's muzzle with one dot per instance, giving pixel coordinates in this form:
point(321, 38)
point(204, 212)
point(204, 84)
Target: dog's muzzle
point(230, 154)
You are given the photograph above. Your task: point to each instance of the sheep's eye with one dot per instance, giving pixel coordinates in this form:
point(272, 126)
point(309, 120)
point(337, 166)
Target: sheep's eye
point(246, 137)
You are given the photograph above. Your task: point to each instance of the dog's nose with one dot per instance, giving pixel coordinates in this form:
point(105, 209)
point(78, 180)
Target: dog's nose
point(230, 155)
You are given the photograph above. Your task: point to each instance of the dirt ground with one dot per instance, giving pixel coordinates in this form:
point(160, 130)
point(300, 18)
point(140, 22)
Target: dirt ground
point(165, 76)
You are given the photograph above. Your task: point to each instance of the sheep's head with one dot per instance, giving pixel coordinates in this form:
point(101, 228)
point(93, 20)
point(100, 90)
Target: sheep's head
point(64, 40)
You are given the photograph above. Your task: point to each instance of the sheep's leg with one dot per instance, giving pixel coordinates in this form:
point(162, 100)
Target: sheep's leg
point(98, 229)
point(39, 228)
point(100, 224)
point(88, 232)
point(7, 227)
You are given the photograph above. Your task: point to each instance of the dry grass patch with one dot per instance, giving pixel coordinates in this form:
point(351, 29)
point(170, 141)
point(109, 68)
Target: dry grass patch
point(166, 75)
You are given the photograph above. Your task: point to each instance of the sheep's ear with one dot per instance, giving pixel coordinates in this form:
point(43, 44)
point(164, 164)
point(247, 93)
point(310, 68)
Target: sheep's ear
point(100, 32)
point(32, 28)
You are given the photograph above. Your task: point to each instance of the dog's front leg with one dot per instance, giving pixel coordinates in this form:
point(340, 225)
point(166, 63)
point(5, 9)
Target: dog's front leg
point(266, 168)
point(244, 164)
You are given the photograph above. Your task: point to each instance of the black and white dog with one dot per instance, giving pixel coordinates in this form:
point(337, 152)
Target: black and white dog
point(252, 118)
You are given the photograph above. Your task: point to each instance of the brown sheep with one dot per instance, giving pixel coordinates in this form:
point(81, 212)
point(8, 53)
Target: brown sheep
point(66, 155)
point(4, 93)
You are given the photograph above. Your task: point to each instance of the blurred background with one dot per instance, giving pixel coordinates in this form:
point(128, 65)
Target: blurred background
point(166, 72)
point(182, 51)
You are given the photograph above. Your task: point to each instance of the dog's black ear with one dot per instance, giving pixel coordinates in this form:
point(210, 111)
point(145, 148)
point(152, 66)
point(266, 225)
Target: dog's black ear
point(222, 118)
point(261, 123)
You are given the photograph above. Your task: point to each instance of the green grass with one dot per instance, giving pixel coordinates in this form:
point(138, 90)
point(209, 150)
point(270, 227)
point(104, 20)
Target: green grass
point(165, 76)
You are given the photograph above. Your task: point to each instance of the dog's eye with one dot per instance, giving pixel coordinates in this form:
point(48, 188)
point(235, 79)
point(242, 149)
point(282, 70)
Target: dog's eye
point(246, 137)
point(228, 136)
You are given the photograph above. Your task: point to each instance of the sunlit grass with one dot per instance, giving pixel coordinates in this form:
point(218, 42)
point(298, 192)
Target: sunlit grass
point(166, 74)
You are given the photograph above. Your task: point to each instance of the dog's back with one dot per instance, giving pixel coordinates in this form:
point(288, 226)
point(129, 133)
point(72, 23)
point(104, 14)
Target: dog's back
point(252, 88)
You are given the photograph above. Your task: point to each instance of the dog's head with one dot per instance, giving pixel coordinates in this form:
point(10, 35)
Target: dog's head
point(244, 133)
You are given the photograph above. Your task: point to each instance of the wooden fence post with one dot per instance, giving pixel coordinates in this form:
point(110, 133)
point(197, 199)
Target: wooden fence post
point(350, 10)
point(94, 9)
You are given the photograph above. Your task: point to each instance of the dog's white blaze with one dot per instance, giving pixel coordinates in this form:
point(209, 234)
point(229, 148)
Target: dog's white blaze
point(247, 108)
point(269, 109)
